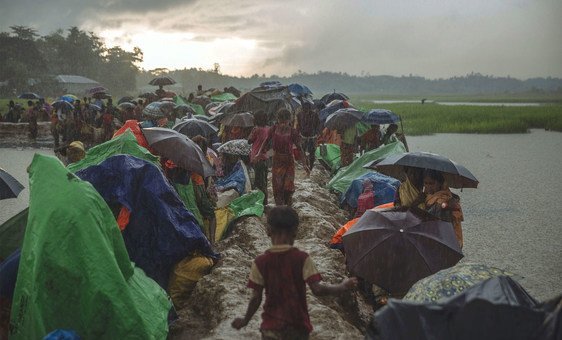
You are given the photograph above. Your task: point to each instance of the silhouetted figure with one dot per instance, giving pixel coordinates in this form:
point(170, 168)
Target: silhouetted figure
point(423, 100)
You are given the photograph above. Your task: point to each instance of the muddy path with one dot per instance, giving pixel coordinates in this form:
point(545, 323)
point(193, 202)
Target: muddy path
point(222, 295)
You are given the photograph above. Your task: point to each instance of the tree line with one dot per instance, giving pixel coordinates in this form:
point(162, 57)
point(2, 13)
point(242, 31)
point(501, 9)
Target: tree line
point(29, 62)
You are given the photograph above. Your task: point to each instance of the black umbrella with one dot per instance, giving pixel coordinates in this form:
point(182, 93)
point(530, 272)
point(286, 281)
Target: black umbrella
point(380, 117)
point(29, 95)
point(456, 175)
point(9, 186)
point(96, 89)
point(333, 96)
point(343, 119)
point(244, 119)
point(161, 81)
point(193, 127)
point(185, 109)
point(331, 108)
point(125, 99)
point(178, 148)
point(126, 105)
point(498, 308)
point(149, 96)
point(394, 249)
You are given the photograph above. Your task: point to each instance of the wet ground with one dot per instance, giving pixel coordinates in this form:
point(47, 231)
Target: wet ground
point(222, 295)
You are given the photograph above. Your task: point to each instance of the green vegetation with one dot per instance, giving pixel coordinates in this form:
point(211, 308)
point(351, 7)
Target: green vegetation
point(432, 118)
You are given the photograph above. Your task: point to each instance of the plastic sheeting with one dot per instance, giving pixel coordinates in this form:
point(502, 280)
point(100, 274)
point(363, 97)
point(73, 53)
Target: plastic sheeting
point(384, 188)
point(185, 276)
point(74, 270)
point(125, 144)
point(329, 154)
point(236, 179)
point(343, 178)
point(187, 195)
point(161, 231)
point(498, 308)
point(11, 233)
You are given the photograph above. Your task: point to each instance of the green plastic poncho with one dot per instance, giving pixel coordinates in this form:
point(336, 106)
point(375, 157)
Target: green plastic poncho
point(124, 144)
point(331, 157)
point(343, 178)
point(74, 271)
point(224, 97)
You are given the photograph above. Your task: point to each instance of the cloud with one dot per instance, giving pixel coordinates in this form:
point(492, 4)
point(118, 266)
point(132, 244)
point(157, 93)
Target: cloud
point(431, 38)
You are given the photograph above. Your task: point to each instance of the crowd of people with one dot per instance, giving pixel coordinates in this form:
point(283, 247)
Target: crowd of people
point(277, 143)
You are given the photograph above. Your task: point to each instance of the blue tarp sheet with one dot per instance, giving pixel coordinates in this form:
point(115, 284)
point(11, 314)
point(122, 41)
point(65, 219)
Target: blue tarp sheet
point(384, 188)
point(161, 231)
point(8, 275)
point(234, 180)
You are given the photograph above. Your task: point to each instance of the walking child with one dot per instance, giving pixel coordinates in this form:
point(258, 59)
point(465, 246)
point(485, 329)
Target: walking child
point(284, 270)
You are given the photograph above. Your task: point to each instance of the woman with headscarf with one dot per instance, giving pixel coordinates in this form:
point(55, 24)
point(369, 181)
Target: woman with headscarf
point(441, 202)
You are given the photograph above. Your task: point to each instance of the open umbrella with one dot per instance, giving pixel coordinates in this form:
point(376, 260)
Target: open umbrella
point(96, 89)
point(380, 117)
point(126, 105)
point(94, 107)
point(343, 119)
point(193, 127)
point(394, 249)
point(69, 98)
point(167, 104)
point(244, 119)
point(497, 308)
point(153, 110)
point(148, 95)
point(178, 148)
point(125, 99)
point(161, 81)
point(333, 96)
point(63, 105)
point(452, 281)
point(185, 109)
point(101, 95)
point(9, 186)
point(332, 107)
point(238, 147)
point(29, 95)
point(299, 90)
point(456, 175)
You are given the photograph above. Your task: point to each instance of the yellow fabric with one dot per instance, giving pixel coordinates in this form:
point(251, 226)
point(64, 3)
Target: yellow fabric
point(223, 216)
point(184, 277)
point(445, 196)
point(408, 194)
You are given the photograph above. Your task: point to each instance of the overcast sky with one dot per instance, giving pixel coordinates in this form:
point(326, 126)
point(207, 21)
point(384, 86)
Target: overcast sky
point(429, 38)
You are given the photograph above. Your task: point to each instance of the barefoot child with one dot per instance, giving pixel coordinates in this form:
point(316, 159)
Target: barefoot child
point(283, 271)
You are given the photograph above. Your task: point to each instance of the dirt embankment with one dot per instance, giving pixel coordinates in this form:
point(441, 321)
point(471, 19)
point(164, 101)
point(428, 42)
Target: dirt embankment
point(222, 295)
point(17, 135)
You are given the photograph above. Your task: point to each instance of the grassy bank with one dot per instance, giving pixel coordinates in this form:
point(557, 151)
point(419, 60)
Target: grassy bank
point(432, 118)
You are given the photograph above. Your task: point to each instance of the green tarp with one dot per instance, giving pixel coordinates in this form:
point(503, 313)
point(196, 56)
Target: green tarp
point(248, 204)
point(11, 234)
point(224, 97)
point(343, 178)
point(199, 110)
point(124, 144)
point(74, 271)
point(187, 195)
point(329, 154)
